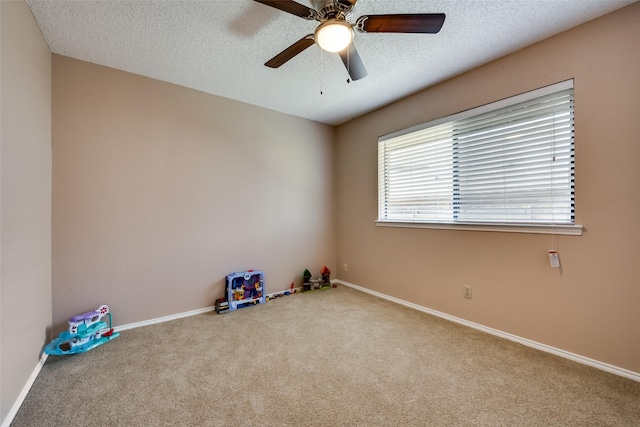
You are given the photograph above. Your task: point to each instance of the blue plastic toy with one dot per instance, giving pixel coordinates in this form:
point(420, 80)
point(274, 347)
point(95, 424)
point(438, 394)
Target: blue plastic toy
point(86, 331)
point(245, 288)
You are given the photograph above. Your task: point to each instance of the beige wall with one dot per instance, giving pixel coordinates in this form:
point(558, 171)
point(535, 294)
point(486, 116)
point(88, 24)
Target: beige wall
point(591, 307)
point(25, 232)
point(160, 191)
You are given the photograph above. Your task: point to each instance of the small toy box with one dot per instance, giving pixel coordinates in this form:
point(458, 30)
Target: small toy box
point(246, 288)
point(222, 306)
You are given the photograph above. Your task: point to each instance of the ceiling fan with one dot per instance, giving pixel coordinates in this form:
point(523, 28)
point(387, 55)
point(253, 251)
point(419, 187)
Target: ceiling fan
point(336, 31)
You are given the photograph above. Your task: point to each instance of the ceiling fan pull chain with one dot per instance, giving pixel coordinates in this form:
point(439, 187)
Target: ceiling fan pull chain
point(349, 62)
point(321, 70)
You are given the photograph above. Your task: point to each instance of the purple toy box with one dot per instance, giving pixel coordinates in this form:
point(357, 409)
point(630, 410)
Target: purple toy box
point(245, 288)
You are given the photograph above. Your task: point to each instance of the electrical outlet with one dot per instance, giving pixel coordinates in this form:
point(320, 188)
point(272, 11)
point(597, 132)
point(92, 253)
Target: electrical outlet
point(467, 292)
point(344, 267)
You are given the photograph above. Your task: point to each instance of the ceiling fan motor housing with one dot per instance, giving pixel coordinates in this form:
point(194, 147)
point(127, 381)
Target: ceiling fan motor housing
point(333, 9)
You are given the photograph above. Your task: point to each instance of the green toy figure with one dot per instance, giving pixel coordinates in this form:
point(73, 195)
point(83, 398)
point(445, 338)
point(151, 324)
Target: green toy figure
point(306, 280)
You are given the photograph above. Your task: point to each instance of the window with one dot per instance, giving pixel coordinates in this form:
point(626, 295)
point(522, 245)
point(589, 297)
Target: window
point(509, 163)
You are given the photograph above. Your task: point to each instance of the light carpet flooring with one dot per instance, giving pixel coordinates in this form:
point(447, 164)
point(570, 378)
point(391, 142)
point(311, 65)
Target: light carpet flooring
point(335, 357)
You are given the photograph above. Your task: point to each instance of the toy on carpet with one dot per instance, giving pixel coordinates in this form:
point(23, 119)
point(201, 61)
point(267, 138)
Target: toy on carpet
point(86, 331)
point(222, 306)
point(292, 290)
point(310, 284)
point(325, 273)
point(245, 288)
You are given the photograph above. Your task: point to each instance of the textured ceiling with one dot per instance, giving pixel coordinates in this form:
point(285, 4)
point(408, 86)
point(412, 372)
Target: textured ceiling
point(220, 47)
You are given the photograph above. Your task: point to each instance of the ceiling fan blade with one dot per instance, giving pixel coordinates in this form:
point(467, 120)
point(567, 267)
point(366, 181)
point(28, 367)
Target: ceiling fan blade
point(352, 61)
point(425, 23)
point(290, 52)
point(292, 7)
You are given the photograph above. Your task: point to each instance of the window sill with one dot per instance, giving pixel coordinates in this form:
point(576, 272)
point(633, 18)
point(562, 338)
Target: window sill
point(569, 230)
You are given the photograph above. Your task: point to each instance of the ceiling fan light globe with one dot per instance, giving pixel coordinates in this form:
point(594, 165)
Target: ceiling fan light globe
point(334, 35)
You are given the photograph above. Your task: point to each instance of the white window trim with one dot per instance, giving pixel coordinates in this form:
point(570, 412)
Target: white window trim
point(569, 230)
point(559, 229)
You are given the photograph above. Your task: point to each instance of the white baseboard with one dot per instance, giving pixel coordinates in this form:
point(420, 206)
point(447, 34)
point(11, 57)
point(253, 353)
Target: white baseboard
point(186, 314)
point(524, 341)
point(25, 390)
point(162, 319)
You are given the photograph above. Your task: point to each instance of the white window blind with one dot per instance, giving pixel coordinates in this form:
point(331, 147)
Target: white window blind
point(511, 162)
